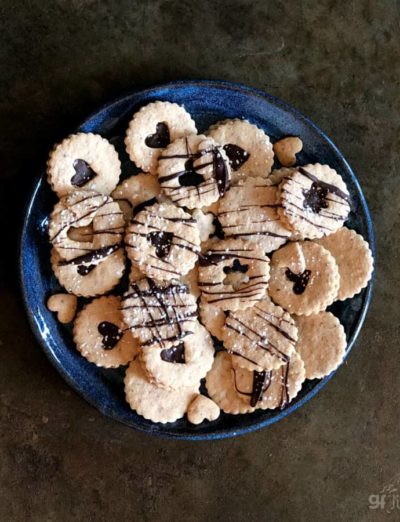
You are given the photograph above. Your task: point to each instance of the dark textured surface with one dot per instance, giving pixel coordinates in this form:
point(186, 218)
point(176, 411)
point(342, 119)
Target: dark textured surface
point(336, 61)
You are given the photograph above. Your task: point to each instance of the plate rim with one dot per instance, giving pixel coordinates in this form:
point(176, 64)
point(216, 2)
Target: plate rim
point(165, 432)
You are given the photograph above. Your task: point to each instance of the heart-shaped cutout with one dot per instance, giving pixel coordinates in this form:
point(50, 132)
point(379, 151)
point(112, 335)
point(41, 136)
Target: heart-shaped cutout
point(64, 305)
point(83, 173)
point(190, 178)
point(176, 354)
point(162, 241)
point(111, 334)
point(160, 139)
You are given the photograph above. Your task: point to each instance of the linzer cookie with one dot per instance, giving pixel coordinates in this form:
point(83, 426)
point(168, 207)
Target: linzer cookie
point(136, 193)
point(321, 344)
point(233, 274)
point(221, 387)
point(270, 389)
point(159, 314)
point(248, 148)
point(315, 201)
point(354, 259)
point(83, 161)
point(96, 219)
point(183, 364)
point(101, 336)
point(250, 211)
point(152, 402)
point(91, 274)
point(264, 335)
point(194, 172)
point(164, 241)
point(153, 128)
point(304, 278)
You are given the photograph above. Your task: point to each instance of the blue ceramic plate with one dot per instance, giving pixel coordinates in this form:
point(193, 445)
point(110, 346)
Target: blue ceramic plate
point(207, 102)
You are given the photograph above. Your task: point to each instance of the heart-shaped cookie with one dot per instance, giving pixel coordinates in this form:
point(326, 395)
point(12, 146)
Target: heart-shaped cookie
point(286, 150)
point(202, 408)
point(64, 305)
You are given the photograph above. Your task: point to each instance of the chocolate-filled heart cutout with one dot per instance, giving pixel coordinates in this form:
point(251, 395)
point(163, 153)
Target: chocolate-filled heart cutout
point(315, 197)
point(83, 173)
point(111, 334)
point(162, 241)
point(236, 267)
point(160, 138)
point(190, 178)
point(300, 280)
point(176, 354)
point(237, 156)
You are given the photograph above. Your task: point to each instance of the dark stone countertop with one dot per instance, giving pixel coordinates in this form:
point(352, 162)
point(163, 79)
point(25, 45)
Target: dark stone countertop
point(339, 63)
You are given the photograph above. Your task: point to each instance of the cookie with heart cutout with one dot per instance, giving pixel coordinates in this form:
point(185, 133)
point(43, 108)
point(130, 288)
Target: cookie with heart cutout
point(159, 314)
point(194, 172)
point(101, 336)
point(163, 241)
point(152, 129)
point(183, 364)
point(83, 161)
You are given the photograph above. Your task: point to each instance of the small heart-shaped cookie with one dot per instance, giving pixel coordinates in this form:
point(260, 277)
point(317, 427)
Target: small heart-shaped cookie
point(286, 150)
point(202, 408)
point(64, 305)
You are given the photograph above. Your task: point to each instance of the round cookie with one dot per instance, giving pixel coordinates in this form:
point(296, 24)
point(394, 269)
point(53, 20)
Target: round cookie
point(264, 335)
point(181, 365)
point(248, 148)
point(194, 171)
point(154, 403)
point(213, 318)
point(304, 278)
point(163, 240)
point(271, 389)
point(135, 193)
point(202, 408)
point(85, 161)
point(354, 259)
point(250, 211)
point(221, 387)
point(96, 219)
point(233, 274)
point(153, 128)
point(91, 274)
point(159, 314)
point(322, 343)
point(314, 201)
point(100, 335)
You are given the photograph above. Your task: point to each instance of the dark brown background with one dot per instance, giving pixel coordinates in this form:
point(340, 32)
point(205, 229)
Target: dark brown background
point(338, 62)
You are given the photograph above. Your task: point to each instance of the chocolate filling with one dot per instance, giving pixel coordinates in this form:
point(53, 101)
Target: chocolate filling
point(176, 354)
point(237, 156)
point(160, 138)
point(111, 334)
point(83, 173)
point(300, 280)
point(315, 197)
point(162, 241)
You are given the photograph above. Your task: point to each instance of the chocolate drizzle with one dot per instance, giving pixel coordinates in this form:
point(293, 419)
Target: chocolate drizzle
point(176, 354)
point(84, 262)
point(236, 267)
point(300, 280)
point(84, 270)
point(143, 205)
point(160, 139)
point(330, 188)
point(162, 241)
point(237, 156)
point(219, 231)
point(83, 173)
point(261, 382)
point(111, 334)
point(315, 197)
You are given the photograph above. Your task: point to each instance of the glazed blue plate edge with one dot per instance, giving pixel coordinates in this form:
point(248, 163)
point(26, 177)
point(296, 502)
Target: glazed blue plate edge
point(222, 434)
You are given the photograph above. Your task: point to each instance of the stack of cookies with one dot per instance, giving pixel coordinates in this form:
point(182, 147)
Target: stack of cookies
point(231, 264)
